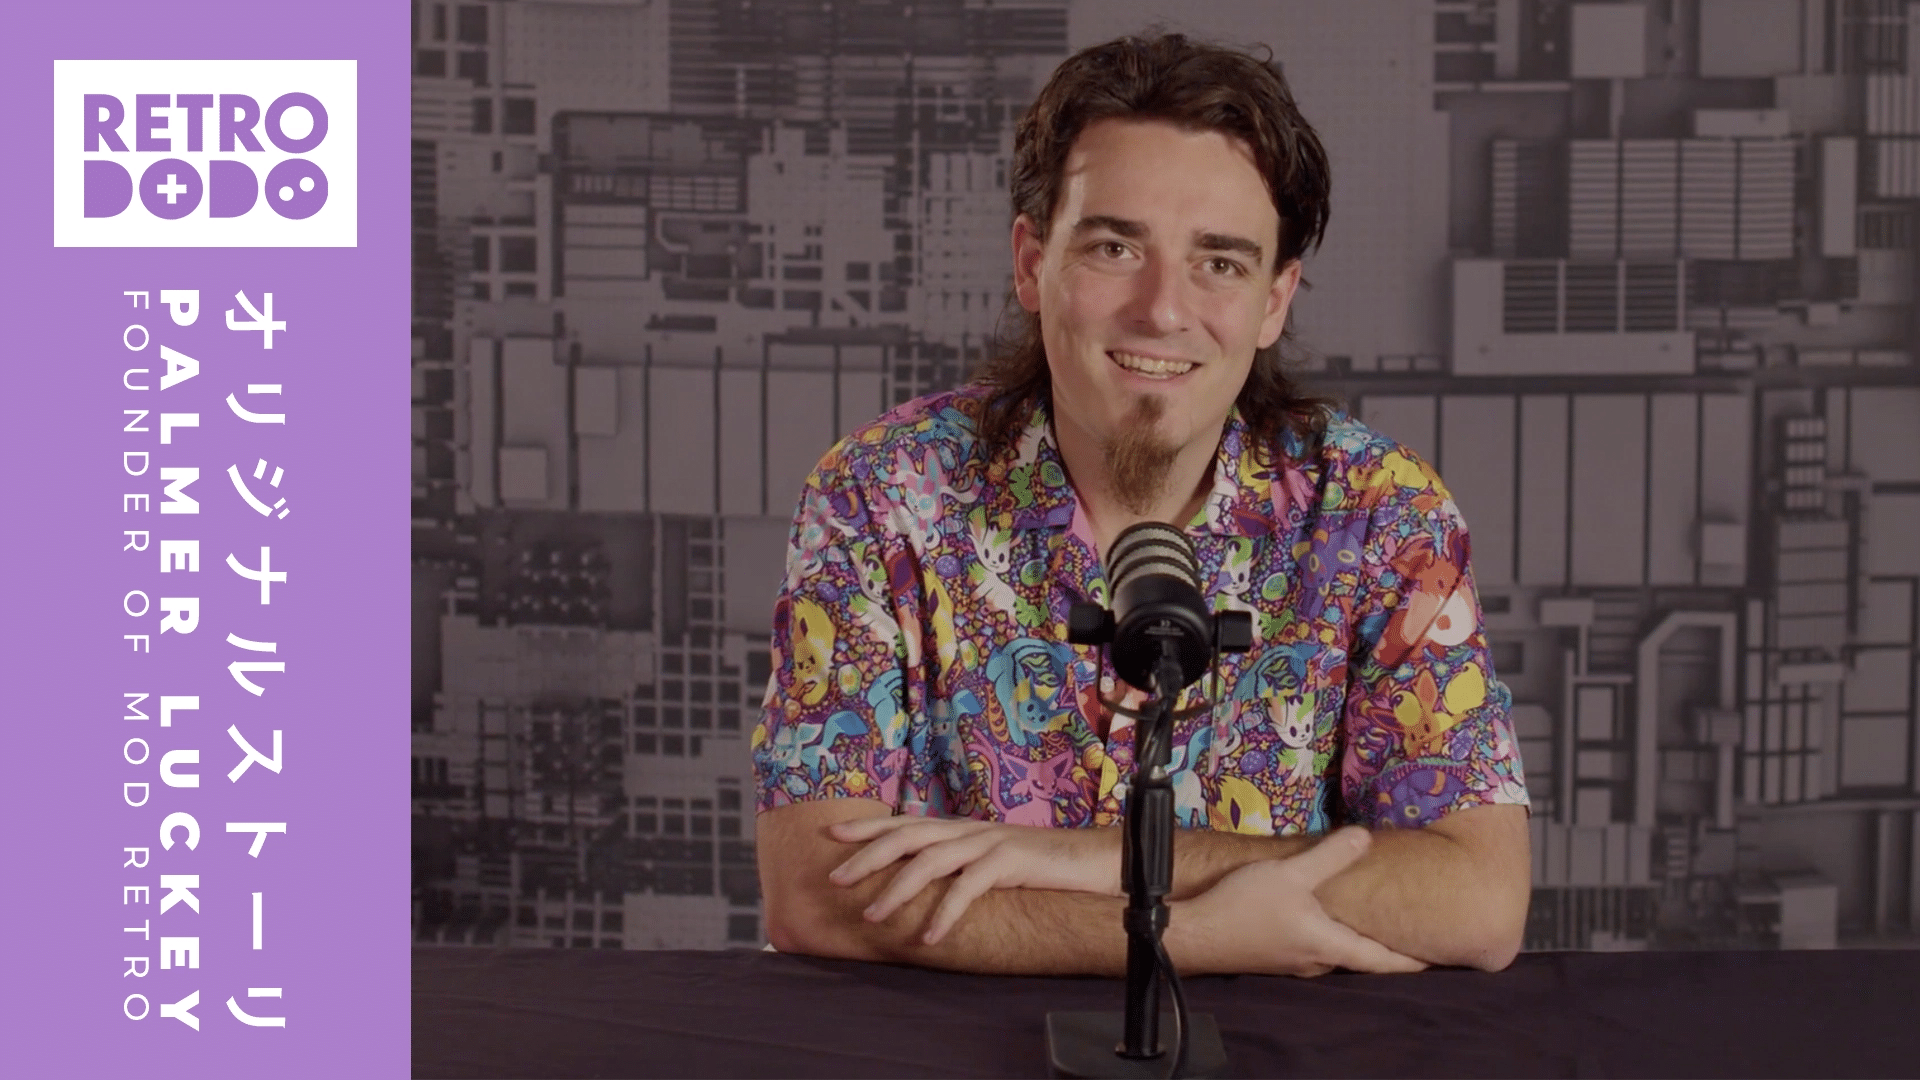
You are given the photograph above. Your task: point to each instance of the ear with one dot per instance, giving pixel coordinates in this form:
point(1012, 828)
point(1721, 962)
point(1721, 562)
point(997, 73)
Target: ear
point(1457, 548)
point(1028, 250)
point(1414, 556)
point(1279, 301)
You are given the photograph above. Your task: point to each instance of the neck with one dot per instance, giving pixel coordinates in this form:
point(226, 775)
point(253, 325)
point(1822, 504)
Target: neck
point(1188, 483)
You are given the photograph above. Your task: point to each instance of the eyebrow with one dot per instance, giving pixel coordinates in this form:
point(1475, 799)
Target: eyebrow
point(1134, 230)
point(1223, 242)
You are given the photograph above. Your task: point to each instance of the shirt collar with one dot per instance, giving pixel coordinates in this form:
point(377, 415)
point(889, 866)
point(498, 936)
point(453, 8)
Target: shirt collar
point(1030, 479)
point(1242, 500)
point(1250, 497)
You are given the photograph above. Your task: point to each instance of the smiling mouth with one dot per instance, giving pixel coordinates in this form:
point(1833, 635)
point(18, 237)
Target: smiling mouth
point(1150, 367)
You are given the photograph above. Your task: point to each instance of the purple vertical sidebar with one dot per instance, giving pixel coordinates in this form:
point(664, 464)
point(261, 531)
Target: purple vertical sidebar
point(334, 886)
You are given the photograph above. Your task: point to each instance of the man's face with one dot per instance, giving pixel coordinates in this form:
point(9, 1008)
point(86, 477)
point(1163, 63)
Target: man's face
point(1156, 281)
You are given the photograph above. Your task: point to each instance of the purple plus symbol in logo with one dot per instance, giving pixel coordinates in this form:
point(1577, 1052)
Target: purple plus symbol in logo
point(170, 188)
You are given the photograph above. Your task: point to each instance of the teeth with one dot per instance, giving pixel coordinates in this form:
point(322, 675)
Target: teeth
point(1146, 365)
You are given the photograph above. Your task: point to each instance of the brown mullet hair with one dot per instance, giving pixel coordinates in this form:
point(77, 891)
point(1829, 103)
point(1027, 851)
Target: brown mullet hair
point(1197, 87)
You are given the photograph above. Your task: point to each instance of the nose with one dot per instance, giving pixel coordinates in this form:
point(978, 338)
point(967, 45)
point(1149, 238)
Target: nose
point(1160, 302)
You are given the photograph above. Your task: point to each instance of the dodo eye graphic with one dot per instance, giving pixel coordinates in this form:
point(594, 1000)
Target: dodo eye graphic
point(296, 189)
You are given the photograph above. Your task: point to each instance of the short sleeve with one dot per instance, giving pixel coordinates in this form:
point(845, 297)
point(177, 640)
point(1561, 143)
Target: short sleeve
point(833, 724)
point(1426, 722)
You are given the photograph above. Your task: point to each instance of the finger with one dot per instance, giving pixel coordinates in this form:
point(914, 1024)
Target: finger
point(1348, 948)
point(972, 883)
point(897, 844)
point(1337, 851)
point(930, 865)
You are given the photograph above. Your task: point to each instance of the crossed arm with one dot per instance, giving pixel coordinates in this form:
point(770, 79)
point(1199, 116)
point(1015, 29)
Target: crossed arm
point(847, 878)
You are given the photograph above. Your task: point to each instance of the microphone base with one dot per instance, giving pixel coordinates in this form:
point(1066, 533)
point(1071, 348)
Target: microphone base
point(1086, 1044)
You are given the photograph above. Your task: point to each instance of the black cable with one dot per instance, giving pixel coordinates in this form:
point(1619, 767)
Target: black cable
point(1148, 749)
point(1171, 979)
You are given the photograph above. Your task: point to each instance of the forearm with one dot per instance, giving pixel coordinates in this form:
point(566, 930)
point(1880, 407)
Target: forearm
point(1201, 857)
point(1417, 891)
point(1003, 932)
point(1422, 893)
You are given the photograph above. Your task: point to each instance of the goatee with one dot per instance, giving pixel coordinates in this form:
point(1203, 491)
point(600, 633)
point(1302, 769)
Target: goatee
point(1139, 458)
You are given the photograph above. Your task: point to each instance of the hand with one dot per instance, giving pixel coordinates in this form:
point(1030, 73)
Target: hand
point(1279, 927)
point(985, 854)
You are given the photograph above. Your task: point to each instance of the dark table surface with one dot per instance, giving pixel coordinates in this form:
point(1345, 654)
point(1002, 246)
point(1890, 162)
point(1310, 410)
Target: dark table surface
point(589, 1013)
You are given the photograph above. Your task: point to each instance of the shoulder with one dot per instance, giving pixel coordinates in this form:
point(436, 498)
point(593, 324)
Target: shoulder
point(1365, 470)
point(946, 423)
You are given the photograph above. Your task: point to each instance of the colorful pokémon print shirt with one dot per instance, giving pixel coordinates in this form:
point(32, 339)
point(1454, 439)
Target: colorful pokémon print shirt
point(919, 652)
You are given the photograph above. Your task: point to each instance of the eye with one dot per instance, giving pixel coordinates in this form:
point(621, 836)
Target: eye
point(1112, 249)
point(1224, 266)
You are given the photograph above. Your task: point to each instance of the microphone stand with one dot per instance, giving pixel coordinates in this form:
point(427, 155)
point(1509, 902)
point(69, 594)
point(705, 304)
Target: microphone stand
point(1096, 1044)
point(1147, 865)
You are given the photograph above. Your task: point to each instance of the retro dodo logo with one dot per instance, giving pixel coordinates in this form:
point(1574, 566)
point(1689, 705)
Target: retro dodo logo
point(233, 153)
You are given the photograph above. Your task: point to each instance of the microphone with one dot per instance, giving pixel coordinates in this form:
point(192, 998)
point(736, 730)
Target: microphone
point(1162, 639)
point(1158, 612)
point(1156, 604)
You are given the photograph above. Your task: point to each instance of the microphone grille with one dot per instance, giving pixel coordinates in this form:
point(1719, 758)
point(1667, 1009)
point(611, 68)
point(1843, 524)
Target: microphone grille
point(1152, 547)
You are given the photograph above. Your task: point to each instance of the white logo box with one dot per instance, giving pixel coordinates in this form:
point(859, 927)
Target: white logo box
point(331, 82)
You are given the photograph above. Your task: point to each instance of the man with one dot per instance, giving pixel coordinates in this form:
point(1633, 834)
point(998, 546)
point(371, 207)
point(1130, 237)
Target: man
point(939, 779)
